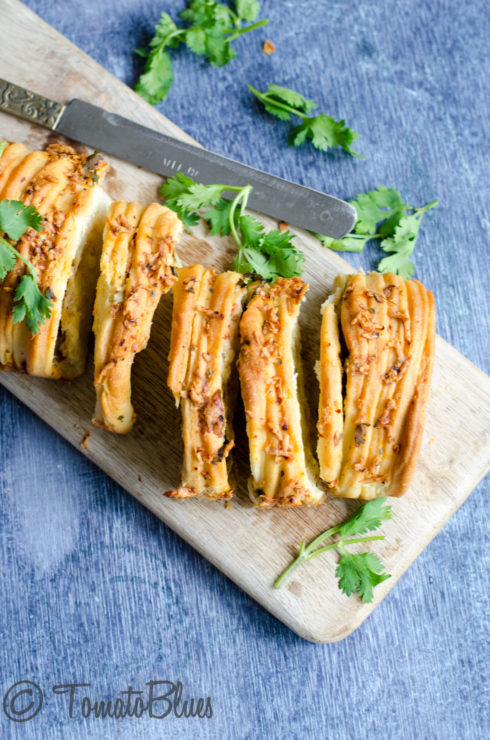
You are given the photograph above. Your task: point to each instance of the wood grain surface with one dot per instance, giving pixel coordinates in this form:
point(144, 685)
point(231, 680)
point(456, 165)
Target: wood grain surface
point(251, 546)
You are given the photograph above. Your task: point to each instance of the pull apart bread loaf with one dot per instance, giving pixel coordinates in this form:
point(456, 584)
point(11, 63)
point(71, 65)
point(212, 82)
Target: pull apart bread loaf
point(65, 190)
point(206, 312)
point(282, 464)
point(136, 270)
point(369, 440)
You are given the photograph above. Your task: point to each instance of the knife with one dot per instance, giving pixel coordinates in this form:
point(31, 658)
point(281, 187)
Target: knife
point(113, 134)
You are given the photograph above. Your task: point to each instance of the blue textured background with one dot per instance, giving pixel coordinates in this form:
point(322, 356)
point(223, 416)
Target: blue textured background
point(94, 588)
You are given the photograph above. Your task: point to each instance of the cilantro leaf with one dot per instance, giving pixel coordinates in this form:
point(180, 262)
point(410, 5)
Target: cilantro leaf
point(360, 573)
point(188, 218)
point(247, 10)
point(252, 230)
point(218, 50)
point(7, 258)
point(16, 218)
point(283, 257)
point(212, 27)
point(401, 245)
point(240, 263)
point(275, 110)
point(184, 196)
point(356, 573)
point(3, 146)
point(252, 260)
point(195, 38)
point(171, 190)
point(30, 304)
point(164, 30)
point(283, 102)
point(325, 133)
point(375, 206)
point(366, 518)
point(208, 34)
point(400, 262)
point(199, 196)
point(291, 97)
point(218, 218)
point(208, 14)
point(155, 82)
point(383, 214)
point(176, 185)
point(269, 254)
point(388, 226)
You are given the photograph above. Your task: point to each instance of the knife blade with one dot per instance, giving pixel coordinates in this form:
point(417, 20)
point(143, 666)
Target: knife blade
point(113, 134)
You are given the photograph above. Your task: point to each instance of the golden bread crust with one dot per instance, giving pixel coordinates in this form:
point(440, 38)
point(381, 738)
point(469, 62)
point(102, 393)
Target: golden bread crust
point(283, 469)
point(388, 326)
point(206, 312)
point(136, 270)
point(60, 185)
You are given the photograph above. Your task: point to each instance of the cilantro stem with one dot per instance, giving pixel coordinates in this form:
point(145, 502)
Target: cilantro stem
point(241, 31)
point(174, 34)
point(355, 571)
point(235, 16)
point(161, 46)
point(417, 211)
point(240, 200)
point(323, 536)
point(308, 552)
point(353, 242)
point(289, 570)
point(336, 245)
point(433, 204)
point(340, 545)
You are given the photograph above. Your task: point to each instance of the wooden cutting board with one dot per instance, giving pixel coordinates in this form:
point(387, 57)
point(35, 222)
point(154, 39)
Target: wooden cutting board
point(251, 546)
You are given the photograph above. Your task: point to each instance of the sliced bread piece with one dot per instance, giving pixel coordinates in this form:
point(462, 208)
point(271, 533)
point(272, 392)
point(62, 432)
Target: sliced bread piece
point(388, 328)
point(65, 188)
point(282, 464)
point(206, 312)
point(136, 270)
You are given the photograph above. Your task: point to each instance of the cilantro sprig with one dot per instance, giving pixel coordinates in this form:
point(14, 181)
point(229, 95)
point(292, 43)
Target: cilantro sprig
point(382, 214)
point(268, 254)
point(212, 28)
point(29, 302)
point(324, 131)
point(355, 572)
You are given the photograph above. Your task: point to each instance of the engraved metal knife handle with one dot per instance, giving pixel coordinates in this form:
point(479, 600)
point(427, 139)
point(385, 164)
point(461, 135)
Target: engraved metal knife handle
point(29, 106)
